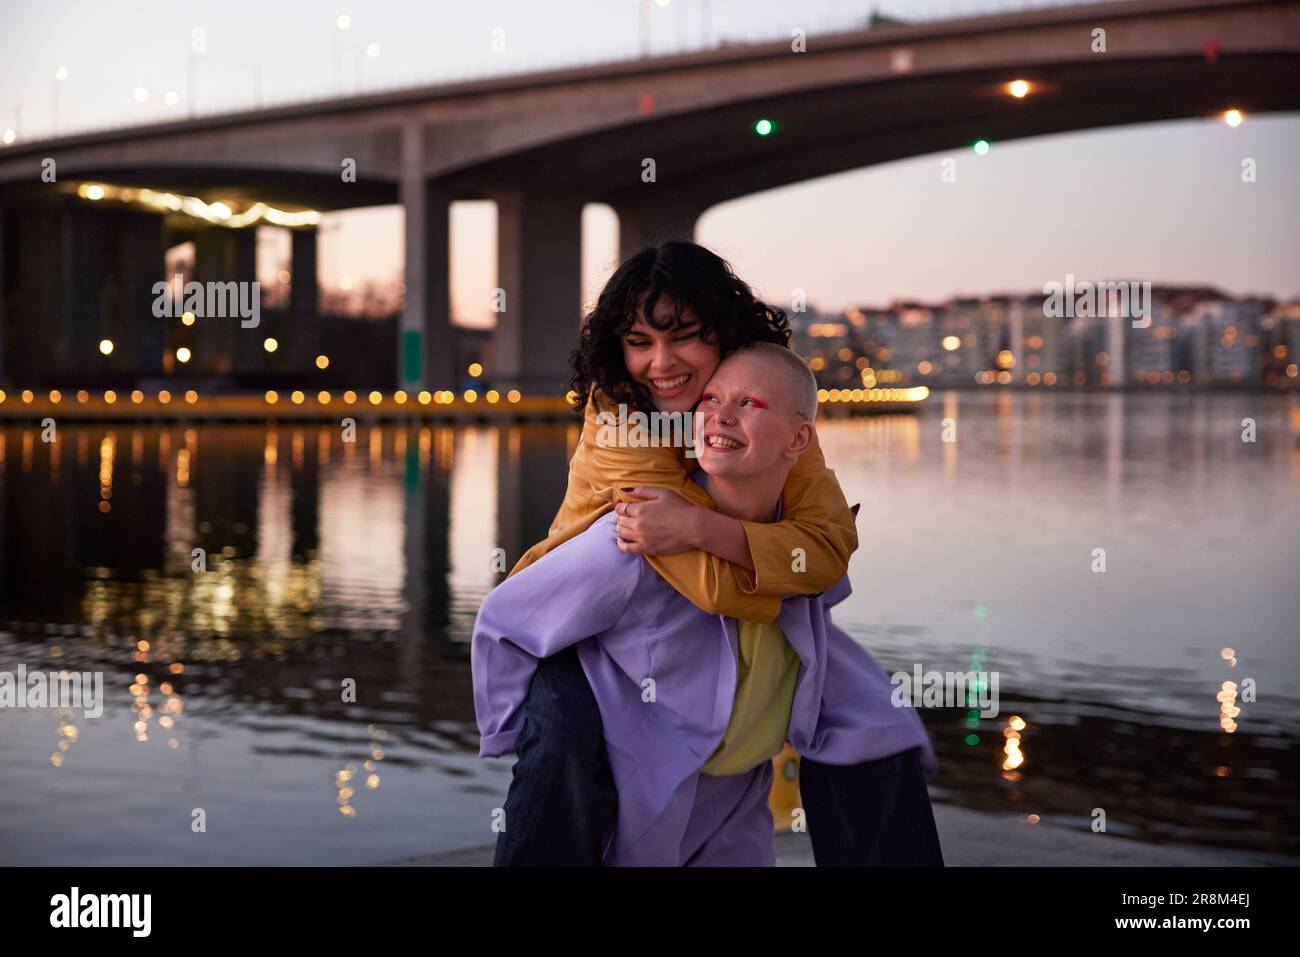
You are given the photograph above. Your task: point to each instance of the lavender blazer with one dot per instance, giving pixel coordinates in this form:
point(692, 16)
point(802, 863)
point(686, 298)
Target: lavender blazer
point(664, 677)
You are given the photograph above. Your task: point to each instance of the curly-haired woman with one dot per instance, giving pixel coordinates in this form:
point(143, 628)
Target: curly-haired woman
point(664, 320)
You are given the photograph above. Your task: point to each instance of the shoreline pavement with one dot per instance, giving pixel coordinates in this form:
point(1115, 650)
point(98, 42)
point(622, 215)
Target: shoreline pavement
point(978, 839)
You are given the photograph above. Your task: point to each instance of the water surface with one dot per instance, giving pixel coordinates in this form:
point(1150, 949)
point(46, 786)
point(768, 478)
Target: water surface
point(327, 562)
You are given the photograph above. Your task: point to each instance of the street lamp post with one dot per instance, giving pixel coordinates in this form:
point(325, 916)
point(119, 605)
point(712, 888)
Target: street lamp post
point(189, 82)
point(60, 75)
point(372, 53)
point(342, 22)
point(645, 22)
point(255, 69)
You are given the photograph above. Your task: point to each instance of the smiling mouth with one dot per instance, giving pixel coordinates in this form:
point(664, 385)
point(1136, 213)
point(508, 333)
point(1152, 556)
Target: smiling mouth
point(722, 443)
point(670, 385)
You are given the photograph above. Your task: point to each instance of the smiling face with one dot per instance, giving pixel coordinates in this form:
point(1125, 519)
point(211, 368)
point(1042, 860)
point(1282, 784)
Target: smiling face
point(673, 363)
point(746, 424)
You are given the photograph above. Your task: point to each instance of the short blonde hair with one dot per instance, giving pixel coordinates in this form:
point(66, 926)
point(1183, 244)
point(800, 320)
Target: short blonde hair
point(794, 376)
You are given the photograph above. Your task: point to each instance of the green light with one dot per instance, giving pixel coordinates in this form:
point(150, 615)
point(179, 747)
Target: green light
point(763, 127)
point(972, 740)
point(981, 147)
point(412, 358)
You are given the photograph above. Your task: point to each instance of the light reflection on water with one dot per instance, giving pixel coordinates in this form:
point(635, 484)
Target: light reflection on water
point(328, 562)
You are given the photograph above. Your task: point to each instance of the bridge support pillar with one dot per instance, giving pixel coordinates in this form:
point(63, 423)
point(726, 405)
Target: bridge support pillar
point(140, 264)
point(644, 224)
point(3, 294)
point(539, 262)
point(304, 301)
point(426, 353)
point(221, 255)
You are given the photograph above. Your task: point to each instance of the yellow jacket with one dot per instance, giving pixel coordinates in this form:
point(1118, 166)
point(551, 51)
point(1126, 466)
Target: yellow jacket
point(815, 518)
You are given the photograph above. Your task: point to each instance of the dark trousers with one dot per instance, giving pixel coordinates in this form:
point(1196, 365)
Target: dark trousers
point(562, 805)
point(872, 814)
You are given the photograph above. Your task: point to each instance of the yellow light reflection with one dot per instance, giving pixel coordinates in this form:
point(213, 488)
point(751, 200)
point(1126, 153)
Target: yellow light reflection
point(218, 213)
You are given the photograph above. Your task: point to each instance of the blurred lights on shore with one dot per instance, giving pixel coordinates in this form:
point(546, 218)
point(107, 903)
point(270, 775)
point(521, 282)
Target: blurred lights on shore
point(909, 394)
point(218, 213)
point(480, 398)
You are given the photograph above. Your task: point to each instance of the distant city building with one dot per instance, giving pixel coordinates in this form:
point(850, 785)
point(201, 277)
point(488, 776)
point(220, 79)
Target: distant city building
point(1192, 336)
point(1226, 344)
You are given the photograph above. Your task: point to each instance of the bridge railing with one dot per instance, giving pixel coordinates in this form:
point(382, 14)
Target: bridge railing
point(753, 28)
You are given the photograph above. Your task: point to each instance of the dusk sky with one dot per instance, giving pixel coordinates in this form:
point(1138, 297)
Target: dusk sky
point(1161, 202)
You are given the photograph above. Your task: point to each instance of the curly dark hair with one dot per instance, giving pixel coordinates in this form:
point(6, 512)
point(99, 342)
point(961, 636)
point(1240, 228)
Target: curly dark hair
point(691, 276)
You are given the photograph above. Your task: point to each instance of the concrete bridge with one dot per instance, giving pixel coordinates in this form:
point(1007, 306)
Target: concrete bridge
point(544, 144)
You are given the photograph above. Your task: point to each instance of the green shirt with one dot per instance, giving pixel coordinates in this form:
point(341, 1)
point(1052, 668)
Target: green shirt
point(766, 670)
